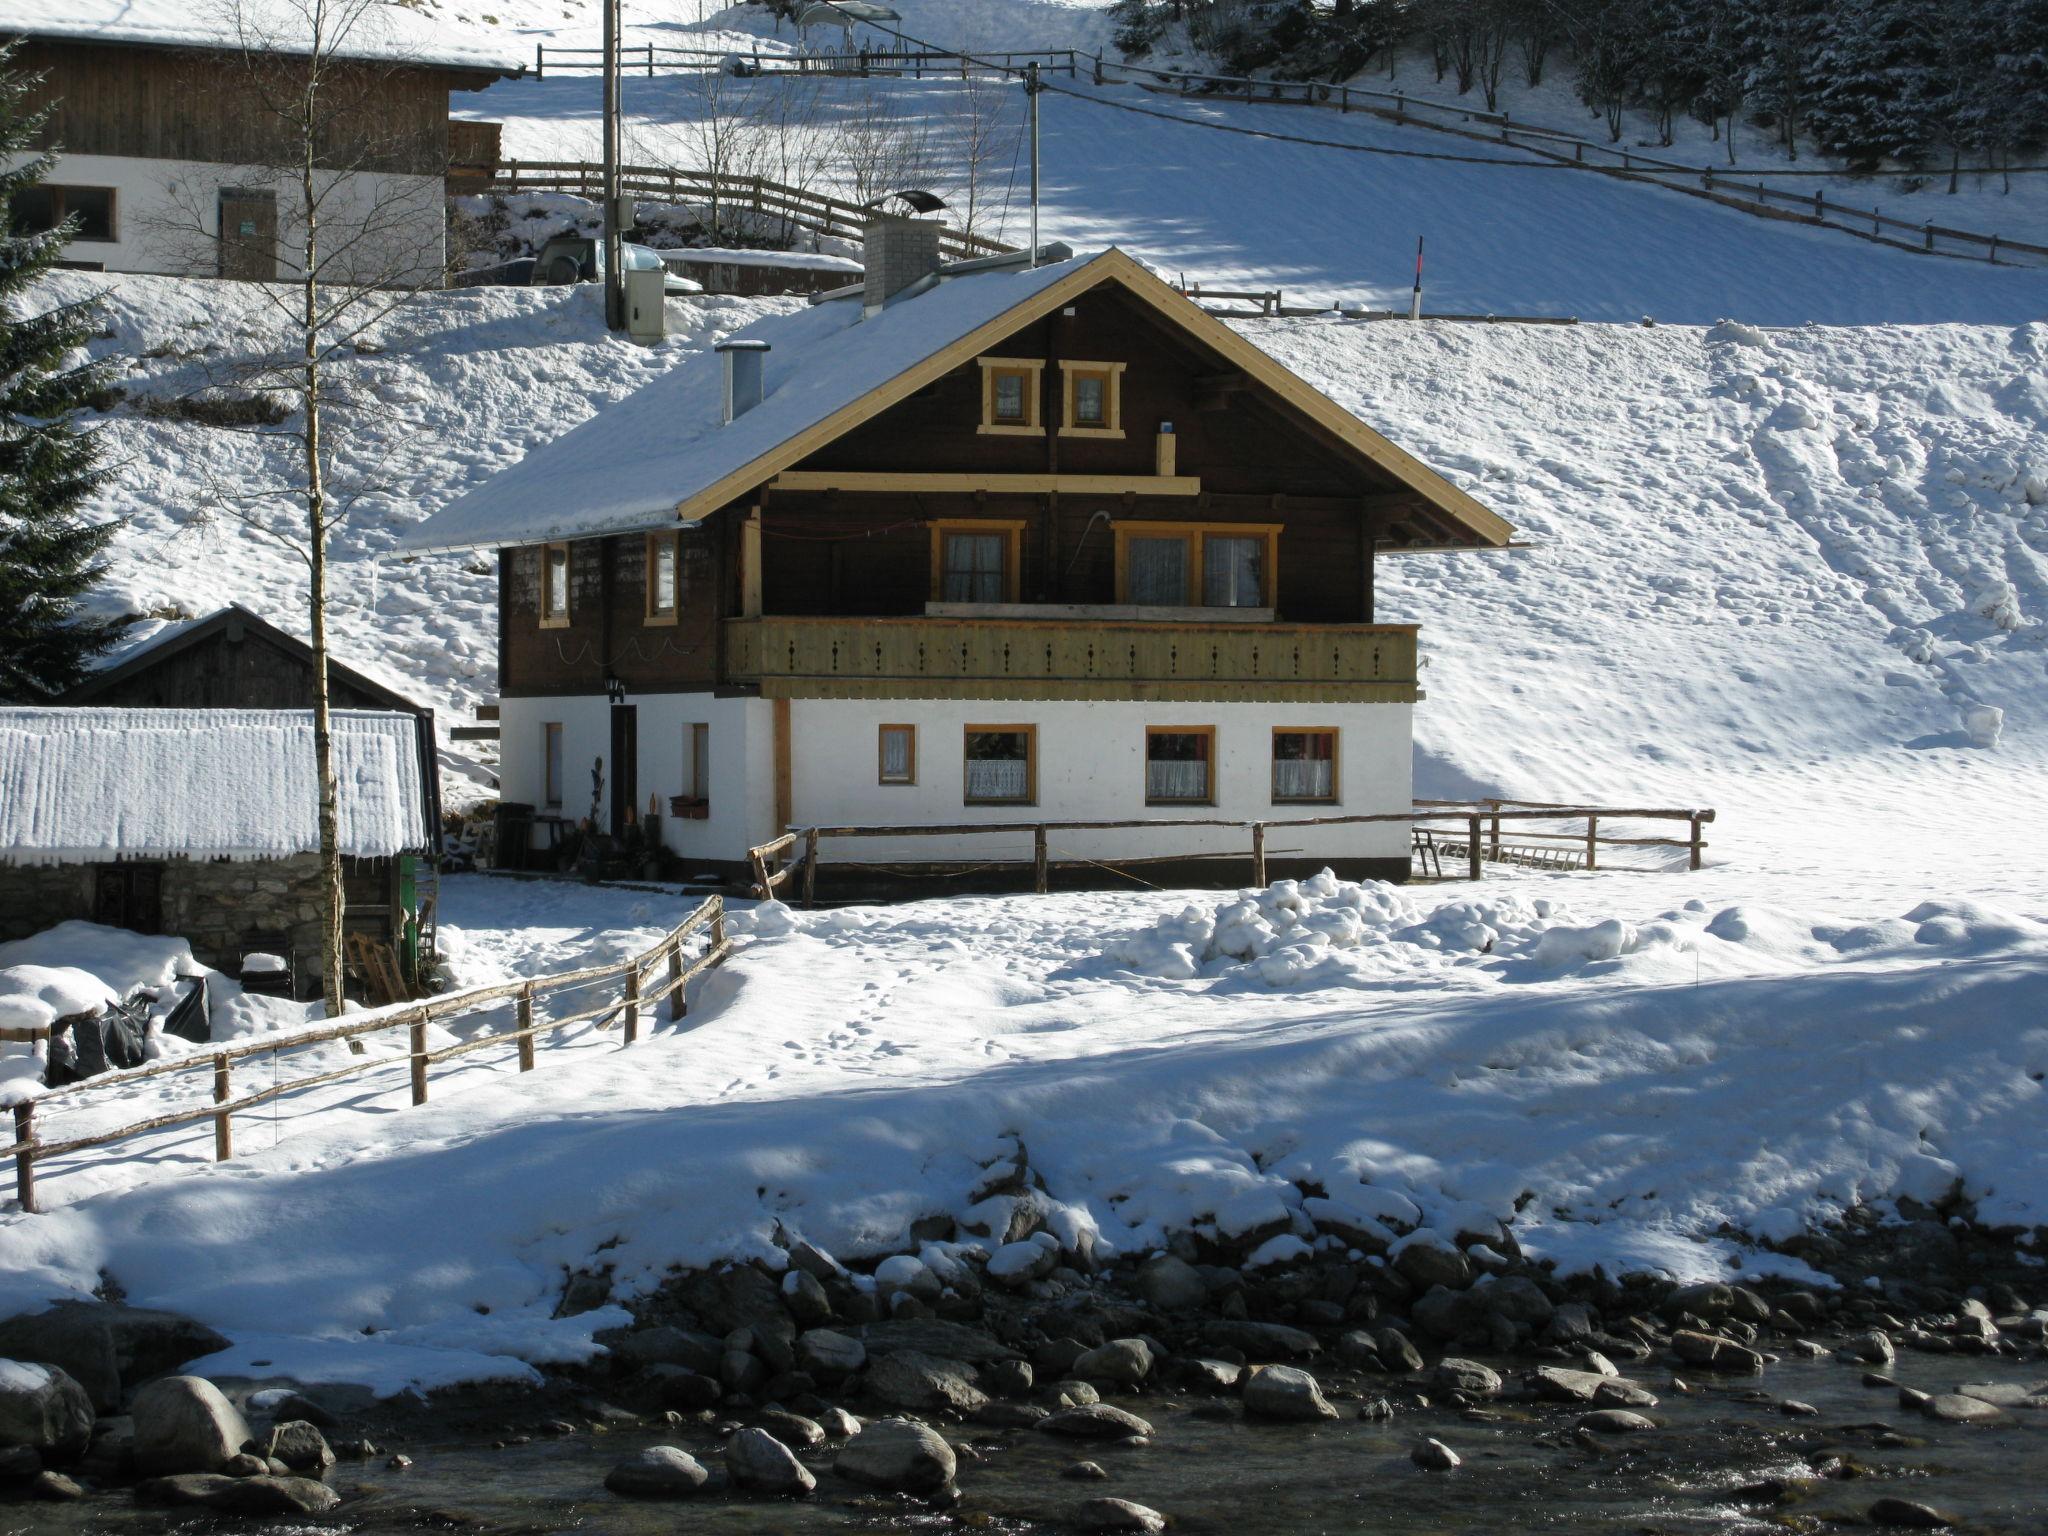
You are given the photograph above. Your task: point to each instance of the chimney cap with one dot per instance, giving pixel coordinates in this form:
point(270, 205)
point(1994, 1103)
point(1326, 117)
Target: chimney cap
point(915, 199)
point(741, 344)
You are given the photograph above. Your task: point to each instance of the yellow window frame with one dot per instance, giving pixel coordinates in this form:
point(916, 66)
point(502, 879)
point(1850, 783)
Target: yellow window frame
point(1195, 534)
point(1030, 369)
point(1013, 551)
point(1112, 376)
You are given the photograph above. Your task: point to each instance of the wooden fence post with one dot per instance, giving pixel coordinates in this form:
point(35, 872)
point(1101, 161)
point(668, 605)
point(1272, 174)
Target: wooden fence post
point(1040, 871)
point(419, 1062)
point(718, 922)
point(1592, 842)
point(25, 1160)
point(810, 868)
point(223, 1123)
point(675, 979)
point(1693, 851)
point(1493, 832)
point(632, 1007)
point(1474, 864)
point(1259, 854)
point(523, 1018)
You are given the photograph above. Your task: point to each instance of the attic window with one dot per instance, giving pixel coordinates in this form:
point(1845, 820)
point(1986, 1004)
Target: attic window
point(1093, 399)
point(1009, 395)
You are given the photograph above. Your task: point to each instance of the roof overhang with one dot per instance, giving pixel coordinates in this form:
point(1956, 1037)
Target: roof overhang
point(653, 520)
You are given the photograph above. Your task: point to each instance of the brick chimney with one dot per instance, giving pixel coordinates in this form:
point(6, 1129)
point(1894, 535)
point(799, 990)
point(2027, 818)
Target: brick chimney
point(897, 252)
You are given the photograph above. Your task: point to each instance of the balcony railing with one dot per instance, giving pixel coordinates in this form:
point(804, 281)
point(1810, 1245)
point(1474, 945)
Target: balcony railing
point(937, 658)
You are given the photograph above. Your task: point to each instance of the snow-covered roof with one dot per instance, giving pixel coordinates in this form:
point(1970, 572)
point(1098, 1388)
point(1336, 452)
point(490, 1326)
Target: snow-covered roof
point(386, 33)
point(733, 256)
point(663, 455)
point(85, 784)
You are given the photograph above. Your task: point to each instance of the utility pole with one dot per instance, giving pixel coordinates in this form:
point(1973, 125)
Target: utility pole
point(1032, 87)
point(614, 224)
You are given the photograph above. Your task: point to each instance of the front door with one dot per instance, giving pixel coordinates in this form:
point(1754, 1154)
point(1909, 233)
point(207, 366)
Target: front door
point(625, 764)
point(248, 235)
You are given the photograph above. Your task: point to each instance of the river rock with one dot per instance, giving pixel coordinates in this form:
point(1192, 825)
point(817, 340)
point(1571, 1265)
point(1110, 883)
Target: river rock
point(737, 1297)
point(1121, 1362)
point(936, 1336)
point(184, 1424)
point(1570, 1325)
point(1615, 1392)
point(18, 1463)
point(1169, 1284)
point(659, 1472)
point(1907, 1514)
point(756, 1460)
point(300, 1446)
point(241, 1495)
point(898, 1455)
point(1398, 1352)
point(1016, 1265)
point(1872, 1348)
point(908, 1379)
point(1715, 1353)
point(1094, 1421)
point(1008, 1378)
point(45, 1410)
point(1282, 1392)
point(806, 1299)
point(1520, 1300)
point(791, 1428)
point(1434, 1456)
point(54, 1487)
point(1556, 1384)
point(104, 1345)
point(825, 1353)
point(1206, 1374)
point(1076, 1394)
point(698, 1352)
point(1118, 1515)
point(1468, 1377)
point(1615, 1421)
point(1425, 1260)
point(1085, 1472)
point(250, 1465)
point(1955, 1408)
point(1261, 1341)
point(2007, 1394)
point(680, 1388)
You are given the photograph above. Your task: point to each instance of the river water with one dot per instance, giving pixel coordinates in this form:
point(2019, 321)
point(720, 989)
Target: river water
point(1523, 1471)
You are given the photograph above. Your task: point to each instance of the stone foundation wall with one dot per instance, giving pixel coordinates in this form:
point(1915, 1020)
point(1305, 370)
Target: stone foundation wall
point(34, 897)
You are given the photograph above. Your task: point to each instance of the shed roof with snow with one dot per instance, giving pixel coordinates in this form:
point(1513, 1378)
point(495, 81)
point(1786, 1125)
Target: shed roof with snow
point(84, 785)
point(665, 457)
point(383, 33)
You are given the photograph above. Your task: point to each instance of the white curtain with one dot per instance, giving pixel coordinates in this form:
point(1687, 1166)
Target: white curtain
point(974, 568)
point(995, 779)
point(1302, 778)
point(1177, 780)
point(1158, 574)
point(895, 754)
point(1232, 572)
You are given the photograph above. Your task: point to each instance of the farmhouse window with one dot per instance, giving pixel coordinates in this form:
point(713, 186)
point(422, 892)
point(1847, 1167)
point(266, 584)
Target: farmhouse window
point(1009, 395)
point(976, 561)
point(551, 763)
point(41, 208)
point(898, 754)
point(1180, 765)
point(664, 577)
point(1305, 767)
point(1092, 404)
point(1176, 565)
point(554, 586)
point(1001, 766)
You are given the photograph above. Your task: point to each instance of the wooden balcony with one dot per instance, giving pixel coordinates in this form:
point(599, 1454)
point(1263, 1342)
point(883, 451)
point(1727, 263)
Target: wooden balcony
point(1010, 658)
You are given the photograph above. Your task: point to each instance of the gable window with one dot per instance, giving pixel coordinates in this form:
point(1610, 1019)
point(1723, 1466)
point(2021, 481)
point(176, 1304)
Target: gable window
point(976, 561)
point(554, 586)
point(551, 764)
point(36, 209)
point(1304, 767)
point(1180, 763)
point(1190, 565)
point(664, 577)
point(1001, 765)
point(1009, 395)
point(898, 755)
point(1092, 400)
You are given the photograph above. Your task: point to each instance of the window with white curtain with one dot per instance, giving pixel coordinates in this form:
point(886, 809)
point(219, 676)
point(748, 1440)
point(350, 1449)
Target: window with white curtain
point(898, 751)
point(1305, 766)
point(975, 568)
point(663, 577)
point(1233, 571)
point(554, 584)
point(1156, 571)
point(1179, 764)
point(999, 762)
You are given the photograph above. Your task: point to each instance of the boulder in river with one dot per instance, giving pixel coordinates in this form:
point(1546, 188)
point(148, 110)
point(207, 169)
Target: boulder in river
point(756, 1460)
point(1094, 1421)
point(1434, 1456)
point(1118, 1515)
point(1169, 1284)
point(1120, 1362)
point(658, 1472)
point(1615, 1421)
point(1907, 1515)
point(240, 1495)
point(43, 1409)
point(1955, 1408)
point(184, 1424)
point(1283, 1392)
point(898, 1455)
point(1715, 1353)
point(1468, 1377)
point(908, 1379)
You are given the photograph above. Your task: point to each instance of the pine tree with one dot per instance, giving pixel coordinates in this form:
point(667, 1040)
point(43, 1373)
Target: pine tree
point(49, 554)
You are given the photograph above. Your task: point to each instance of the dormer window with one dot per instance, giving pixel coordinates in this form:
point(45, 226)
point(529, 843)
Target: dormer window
point(1009, 396)
point(1092, 396)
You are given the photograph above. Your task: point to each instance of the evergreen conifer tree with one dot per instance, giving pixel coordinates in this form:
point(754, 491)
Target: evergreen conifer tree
point(49, 554)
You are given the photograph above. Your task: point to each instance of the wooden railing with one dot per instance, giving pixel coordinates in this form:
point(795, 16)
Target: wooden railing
point(797, 206)
point(926, 657)
point(635, 993)
point(917, 62)
point(1479, 820)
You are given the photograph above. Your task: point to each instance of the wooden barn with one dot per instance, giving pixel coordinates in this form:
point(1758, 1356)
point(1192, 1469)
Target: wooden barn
point(169, 154)
point(988, 543)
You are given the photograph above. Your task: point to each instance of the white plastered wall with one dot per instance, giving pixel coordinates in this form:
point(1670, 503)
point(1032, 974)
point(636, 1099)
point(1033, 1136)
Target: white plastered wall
point(167, 217)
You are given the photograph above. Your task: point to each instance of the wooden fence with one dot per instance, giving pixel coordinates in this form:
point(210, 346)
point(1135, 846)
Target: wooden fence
point(1479, 820)
point(638, 989)
point(794, 206)
point(915, 62)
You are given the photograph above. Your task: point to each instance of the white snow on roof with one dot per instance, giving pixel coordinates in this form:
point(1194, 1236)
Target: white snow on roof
point(385, 33)
point(84, 784)
point(734, 256)
point(632, 464)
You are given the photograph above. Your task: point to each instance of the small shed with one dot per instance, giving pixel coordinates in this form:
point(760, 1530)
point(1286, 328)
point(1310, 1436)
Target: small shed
point(204, 823)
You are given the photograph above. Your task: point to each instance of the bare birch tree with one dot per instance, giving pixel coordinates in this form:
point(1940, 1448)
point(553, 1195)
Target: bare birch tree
point(350, 187)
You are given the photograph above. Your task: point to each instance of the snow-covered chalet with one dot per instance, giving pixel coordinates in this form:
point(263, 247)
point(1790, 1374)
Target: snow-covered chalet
point(982, 543)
